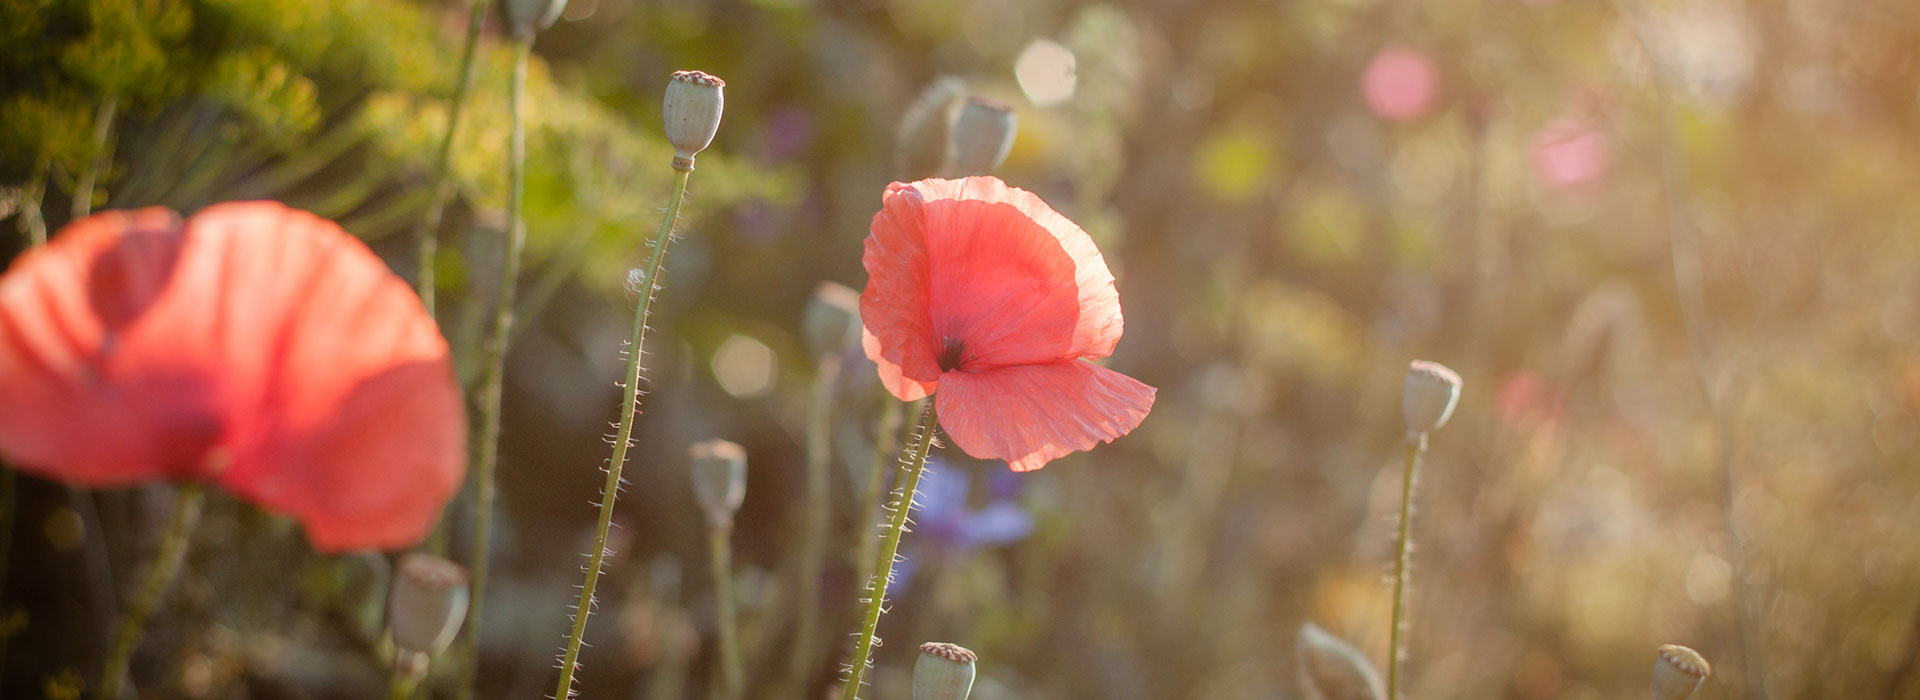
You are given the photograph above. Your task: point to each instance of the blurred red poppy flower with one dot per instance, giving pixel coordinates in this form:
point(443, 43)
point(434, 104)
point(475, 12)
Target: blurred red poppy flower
point(983, 293)
point(253, 346)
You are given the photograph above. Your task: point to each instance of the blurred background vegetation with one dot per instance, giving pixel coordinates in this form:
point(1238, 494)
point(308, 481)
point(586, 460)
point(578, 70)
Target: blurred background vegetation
point(1670, 244)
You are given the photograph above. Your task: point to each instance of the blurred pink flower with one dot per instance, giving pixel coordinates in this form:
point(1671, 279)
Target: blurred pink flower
point(1400, 84)
point(1571, 152)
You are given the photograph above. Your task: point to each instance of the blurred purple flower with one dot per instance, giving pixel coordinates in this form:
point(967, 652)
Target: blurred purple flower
point(945, 527)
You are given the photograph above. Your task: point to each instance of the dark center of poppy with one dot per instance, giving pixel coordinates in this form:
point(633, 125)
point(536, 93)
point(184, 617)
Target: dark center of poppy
point(951, 350)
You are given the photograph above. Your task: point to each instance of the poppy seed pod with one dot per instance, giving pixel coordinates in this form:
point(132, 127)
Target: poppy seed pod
point(982, 136)
point(425, 606)
point(719, 479)
point(1428, 398)
point(1678, 672)
point(832, 320)
point(1331, 669)
point(692, 112)
point(944, 672)
point(528, 17)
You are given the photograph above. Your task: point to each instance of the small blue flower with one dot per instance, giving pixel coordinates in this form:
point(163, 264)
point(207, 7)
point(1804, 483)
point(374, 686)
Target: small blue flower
point(945, 527)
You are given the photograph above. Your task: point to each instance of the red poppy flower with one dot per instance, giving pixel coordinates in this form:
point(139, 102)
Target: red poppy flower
point(253, 346)
point(983, 293)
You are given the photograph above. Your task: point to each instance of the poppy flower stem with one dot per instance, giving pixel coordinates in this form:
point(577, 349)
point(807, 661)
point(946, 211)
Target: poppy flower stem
point(623, 438)
point(428, 231)
point(912, 465)
point(885, 438)
point(102, 128)
point(166, 565)
point(813, 544)
point(402, 685)
point(1416, 448)
point(732, 671)
point(492, 384)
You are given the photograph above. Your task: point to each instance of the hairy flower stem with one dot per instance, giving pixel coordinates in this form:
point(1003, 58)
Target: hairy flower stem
point(813, 541)
point(427, 232)
point(911, 465)
point(1416, 448)
point(487, 454)
point(623, 438)
point(166, 565)
point(884, 443)
point(732, 672)
point(102, 127)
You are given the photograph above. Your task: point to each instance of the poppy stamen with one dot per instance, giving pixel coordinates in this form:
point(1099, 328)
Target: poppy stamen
point(951, 351)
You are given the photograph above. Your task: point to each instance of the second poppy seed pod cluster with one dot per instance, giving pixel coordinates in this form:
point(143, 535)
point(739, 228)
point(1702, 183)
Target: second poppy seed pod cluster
point(1428, 398)
point(425, 607)
point(1678, 672)
point(944, 672)
point(719, 479)
point(526, 18)
point(692, 112)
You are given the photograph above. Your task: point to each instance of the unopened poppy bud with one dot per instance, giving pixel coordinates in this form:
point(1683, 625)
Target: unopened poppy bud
point(425, 607)
point(1678, 672)
point(528, 17)
point(944, 672)
point(1331, 669)
point(692, 111)
point(719, 479)
point(1428, 398)
point(982, 137)
point(832, 321)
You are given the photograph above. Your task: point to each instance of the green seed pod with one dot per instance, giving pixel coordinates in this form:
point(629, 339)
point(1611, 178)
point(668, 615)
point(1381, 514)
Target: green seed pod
point(832, 321)
point(1678, 672)
point(1428, 398)
point(719, 479)
point(1331, 669)
point(944, 672)
point(692, 111)
point(425, 606)
point(982, 136)
point(526, 18)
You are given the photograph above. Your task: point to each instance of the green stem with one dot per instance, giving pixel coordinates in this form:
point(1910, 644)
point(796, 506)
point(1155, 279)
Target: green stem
point(166, 565)
point(911, 466)
point(623, 437)
point(813, 540)
point(428, 232)
point(1416, 446)
point(102, 127)
point(31, 216)
point(492, 384)
point(884, 443)
point(403, 683)
point(732, 672)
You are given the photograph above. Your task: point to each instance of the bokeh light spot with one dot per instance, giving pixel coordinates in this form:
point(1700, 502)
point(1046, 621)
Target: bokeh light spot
point(744, 367)
point(1046, 73)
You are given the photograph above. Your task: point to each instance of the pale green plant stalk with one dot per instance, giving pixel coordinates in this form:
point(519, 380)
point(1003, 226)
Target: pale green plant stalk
point(912, 464)
point(160, 574)
point(31, 216)
point(1416, 448)
point(402, 685)
point(732, 671)
point(813, 542)
point(623, 437)
point(487, 454)
point(102, 128)
point(428, 232)
point(885, 439)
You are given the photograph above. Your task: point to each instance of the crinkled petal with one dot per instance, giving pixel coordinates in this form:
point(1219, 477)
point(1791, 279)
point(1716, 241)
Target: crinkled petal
point(1029, 415)
point(896, 331)
point(359, 431)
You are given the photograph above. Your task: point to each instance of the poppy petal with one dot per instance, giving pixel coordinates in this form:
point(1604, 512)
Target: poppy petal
point(359, 431)
point(893, 308)
point(75, 408)
point(255, 346)
point(1012, 279)
point(1029, 415)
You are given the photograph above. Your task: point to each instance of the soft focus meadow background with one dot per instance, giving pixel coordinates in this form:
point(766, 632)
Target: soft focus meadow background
point(1670, 244)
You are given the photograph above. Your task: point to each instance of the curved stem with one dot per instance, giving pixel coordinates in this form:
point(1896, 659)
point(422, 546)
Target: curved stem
point(487, 456)
point(1416, 447)
point(911, 466)
point(428, 231)
point(403, 683)
point(623, 438)
point(732, 672)
point(813, 541)
point(102, 127)
point(32, 218)
point(166, 565)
